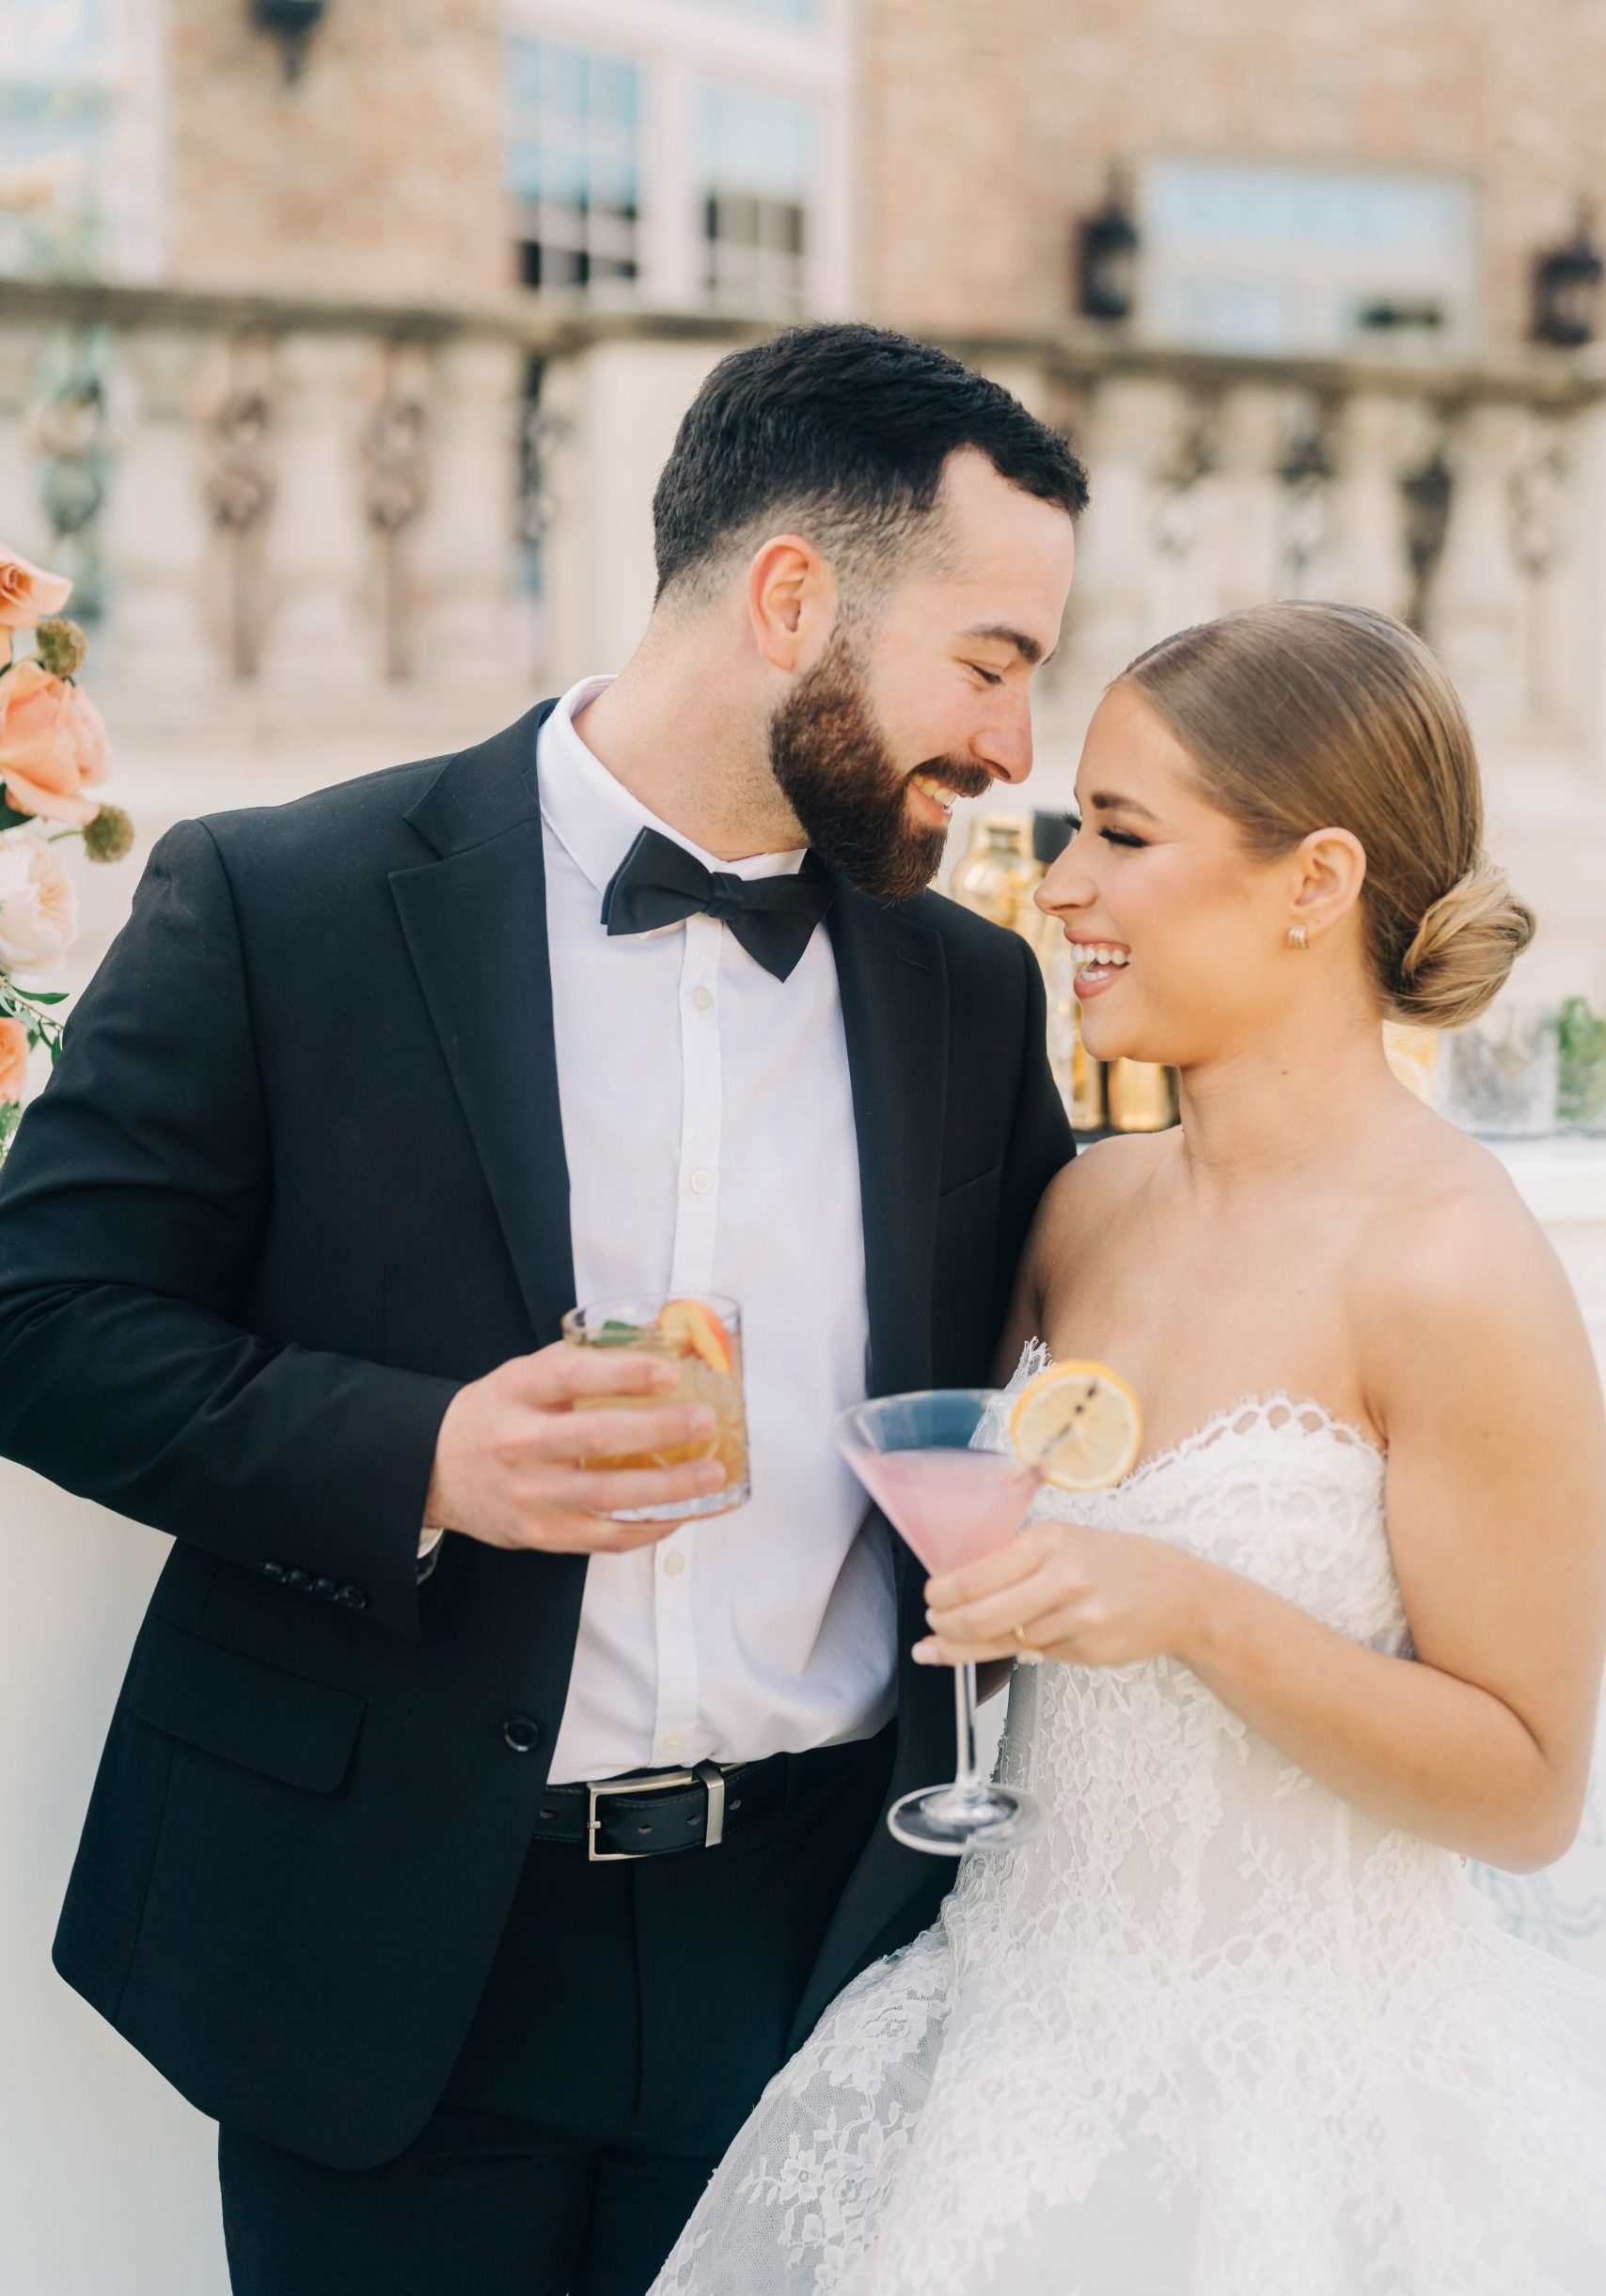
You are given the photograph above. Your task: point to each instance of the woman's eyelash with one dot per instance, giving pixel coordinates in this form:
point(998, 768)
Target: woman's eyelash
point(1110, 837)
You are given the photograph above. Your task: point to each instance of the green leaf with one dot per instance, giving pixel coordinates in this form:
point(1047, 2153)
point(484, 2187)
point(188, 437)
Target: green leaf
point(10, 818)
point(39, 995)
point(615, 1334)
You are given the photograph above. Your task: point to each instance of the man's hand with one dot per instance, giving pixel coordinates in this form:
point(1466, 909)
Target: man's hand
point(504, 1468)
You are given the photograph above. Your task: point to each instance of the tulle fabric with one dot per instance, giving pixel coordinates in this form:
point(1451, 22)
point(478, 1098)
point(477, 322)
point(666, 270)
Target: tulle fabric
point(1213, 2032)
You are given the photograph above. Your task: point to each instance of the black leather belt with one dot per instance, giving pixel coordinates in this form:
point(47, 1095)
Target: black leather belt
point(652, 1812)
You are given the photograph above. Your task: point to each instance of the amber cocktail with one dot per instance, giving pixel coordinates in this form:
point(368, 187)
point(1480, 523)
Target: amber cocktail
point(702, 1338)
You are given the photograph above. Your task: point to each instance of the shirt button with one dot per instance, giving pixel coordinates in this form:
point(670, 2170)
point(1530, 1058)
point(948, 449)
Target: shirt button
point(702, 999)
point(674, 1565)
point(700, 1182)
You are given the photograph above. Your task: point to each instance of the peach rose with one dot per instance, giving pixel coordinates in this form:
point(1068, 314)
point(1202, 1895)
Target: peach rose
point(13, 1059)
point(52, 744)
point(27, 594)
point(39, 906)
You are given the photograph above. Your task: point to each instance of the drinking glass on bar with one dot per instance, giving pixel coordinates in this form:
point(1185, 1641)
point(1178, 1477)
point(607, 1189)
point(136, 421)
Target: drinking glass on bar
point(702, 1338)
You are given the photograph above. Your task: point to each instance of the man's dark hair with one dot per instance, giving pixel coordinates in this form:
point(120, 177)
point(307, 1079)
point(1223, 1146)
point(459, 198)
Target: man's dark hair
point(842, 431)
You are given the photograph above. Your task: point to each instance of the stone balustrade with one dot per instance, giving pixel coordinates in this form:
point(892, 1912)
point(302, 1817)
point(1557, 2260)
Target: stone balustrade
point(322, 537)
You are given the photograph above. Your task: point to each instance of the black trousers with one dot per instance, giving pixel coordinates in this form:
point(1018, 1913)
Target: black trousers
point(632, 2016)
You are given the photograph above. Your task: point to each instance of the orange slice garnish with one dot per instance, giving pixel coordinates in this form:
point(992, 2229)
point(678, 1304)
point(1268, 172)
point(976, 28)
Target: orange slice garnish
point(697, 1330)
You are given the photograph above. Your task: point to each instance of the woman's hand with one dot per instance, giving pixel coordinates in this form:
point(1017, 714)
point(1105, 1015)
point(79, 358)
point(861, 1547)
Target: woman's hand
point(1089, 1597)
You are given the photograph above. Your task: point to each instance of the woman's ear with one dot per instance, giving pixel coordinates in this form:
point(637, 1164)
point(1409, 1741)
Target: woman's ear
point(1329, 869)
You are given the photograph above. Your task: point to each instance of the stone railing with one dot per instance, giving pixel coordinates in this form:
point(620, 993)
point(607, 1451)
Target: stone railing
point(322, 537)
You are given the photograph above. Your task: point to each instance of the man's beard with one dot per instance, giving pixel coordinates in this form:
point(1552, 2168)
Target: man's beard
point(836, 772)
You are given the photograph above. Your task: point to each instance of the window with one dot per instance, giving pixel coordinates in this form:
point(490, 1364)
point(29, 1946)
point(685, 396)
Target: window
point(79, 138)
point(687, 155)
point(1240, 256)
point(756, 165)
point(575, 161)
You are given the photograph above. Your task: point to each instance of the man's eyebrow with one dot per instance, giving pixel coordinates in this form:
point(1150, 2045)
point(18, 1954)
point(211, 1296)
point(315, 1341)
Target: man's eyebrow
point(1005, 634)
point(1104, 801)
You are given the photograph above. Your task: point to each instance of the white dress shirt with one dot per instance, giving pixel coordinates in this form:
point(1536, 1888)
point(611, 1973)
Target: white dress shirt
point(708, 1123)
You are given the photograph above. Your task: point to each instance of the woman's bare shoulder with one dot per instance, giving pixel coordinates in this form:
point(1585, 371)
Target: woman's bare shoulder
point(1098, 1183)
point(1453, 1278)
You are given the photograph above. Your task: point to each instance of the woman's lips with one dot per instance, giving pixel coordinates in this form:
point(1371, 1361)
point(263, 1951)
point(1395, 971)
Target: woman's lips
point(1099, 966)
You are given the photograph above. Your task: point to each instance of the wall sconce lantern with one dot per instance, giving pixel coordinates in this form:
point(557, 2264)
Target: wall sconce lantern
point(1566, 288)
point(291, 22)
point(1107, 257)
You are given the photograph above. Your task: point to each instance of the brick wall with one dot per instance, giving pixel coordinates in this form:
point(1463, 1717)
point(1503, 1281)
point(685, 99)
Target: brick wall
point(379, 174)
point(989, 123)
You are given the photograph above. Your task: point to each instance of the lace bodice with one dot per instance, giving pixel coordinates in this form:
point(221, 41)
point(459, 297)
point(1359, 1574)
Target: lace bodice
point(1172, 2041)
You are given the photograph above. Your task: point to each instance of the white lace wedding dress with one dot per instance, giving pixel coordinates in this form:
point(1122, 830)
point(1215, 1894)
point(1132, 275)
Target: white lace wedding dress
point(1213, 2032)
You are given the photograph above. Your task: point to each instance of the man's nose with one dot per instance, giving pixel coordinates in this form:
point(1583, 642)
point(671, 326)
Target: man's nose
point(1005, 744)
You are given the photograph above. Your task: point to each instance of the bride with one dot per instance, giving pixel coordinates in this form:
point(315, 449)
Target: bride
point(1236, 2022)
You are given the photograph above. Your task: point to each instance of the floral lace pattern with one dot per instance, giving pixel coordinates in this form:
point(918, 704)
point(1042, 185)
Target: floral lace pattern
point(1214, 2031)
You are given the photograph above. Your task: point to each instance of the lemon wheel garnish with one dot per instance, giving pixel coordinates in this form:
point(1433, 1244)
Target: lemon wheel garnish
point(1079, 1425)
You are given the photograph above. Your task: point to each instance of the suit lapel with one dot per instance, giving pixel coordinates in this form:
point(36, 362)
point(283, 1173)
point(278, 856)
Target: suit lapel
point(894, 996)
point(474, 922)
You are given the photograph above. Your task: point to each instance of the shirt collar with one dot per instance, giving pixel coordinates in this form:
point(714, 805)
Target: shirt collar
point(596, 819)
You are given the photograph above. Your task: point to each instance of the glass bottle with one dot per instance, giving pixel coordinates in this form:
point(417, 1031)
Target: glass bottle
point(998, 873)
point(1141, 1096)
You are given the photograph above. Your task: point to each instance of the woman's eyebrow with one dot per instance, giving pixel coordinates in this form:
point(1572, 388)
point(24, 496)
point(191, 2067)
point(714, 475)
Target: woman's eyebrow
point(1104, 800)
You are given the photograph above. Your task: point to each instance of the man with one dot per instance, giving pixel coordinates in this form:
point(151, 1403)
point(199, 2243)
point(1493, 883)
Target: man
point(642, 994)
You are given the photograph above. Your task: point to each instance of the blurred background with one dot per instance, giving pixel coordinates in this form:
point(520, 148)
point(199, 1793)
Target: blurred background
point(341, 341)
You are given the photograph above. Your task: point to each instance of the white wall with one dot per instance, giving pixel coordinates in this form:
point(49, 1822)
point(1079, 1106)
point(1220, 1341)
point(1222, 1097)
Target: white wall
point(108, 2177)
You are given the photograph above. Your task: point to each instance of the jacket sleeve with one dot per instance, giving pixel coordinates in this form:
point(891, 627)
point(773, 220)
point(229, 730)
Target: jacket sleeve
point(1041, 1141)
point(132, 1207)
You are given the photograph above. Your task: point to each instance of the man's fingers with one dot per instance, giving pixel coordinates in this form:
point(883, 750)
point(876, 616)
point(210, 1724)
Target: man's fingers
point(610, 1492)
point(606, 1434)
point(557, 1374)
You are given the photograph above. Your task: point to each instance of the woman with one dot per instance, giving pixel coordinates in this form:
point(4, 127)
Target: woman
point(1236, 2024)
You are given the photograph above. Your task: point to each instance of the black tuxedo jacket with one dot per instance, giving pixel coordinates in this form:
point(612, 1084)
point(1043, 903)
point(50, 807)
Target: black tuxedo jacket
point(300, 1174)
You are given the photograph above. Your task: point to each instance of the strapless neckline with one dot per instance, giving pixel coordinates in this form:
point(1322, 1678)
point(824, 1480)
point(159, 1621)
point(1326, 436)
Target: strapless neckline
point(1304, 1415)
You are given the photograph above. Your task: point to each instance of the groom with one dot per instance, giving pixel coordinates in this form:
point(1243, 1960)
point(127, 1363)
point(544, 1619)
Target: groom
point(642, 994)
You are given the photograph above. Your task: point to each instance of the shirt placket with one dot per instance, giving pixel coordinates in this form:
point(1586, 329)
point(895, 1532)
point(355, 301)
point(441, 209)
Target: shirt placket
point(692, 1275)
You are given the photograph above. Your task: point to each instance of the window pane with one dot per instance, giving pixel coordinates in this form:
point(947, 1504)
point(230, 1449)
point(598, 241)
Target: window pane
point(572, 163)
point(753, 141)
point(1285, 260)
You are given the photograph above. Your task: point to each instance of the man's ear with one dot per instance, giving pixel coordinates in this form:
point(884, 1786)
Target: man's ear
point(792, 602)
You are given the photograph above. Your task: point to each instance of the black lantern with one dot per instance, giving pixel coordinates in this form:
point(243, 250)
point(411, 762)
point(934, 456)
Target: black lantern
point(1107, 257)
point(1566, 288)
point(292, 23)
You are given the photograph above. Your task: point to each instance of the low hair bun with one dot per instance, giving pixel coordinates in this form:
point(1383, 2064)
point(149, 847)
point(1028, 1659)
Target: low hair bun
point(1462, 951)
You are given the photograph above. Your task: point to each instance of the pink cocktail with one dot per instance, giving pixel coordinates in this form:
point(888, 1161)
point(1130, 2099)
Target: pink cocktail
point(951, 1506)
point(953, 1498)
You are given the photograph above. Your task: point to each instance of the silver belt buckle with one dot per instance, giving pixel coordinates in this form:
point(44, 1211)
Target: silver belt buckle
point(707, 1774)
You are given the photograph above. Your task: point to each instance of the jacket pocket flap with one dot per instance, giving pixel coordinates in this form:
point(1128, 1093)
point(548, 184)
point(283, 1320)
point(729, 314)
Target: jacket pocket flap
point(286, 1725)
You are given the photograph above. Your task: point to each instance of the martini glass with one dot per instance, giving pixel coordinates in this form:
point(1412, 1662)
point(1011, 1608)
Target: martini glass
point(915, 1456)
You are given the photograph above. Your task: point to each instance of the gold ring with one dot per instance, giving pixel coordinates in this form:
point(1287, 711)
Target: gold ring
point(1031, 1649)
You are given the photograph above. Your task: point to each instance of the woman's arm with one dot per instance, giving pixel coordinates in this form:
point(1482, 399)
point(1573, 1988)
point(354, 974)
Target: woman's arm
point(1483, 1380)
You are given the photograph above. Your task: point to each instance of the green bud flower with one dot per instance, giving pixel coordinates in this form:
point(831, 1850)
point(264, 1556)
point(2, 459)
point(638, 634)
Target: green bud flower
point(62, 646)
point(109, 836)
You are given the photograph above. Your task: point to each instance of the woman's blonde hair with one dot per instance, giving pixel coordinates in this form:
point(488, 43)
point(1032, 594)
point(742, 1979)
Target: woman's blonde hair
point(1304, 715)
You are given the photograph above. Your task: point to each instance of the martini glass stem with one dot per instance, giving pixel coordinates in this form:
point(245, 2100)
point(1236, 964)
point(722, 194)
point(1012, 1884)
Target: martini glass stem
point(967, 1782)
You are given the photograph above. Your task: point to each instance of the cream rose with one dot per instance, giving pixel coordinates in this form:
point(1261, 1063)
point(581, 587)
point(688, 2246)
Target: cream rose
point(13, 1059)
point(39, 906)
point(27, 594)
point(52, 744)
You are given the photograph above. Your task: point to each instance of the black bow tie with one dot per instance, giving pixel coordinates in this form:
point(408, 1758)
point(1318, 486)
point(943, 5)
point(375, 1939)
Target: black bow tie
point(659, 882)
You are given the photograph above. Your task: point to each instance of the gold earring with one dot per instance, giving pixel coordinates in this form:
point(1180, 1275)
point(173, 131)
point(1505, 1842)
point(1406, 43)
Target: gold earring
point(1297, 937)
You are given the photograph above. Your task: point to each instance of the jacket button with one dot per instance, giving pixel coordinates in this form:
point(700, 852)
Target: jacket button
point(353, 1597)
point(301, 1579)
point(521, 1733)
point(271, 1570)
point(323, 1589)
